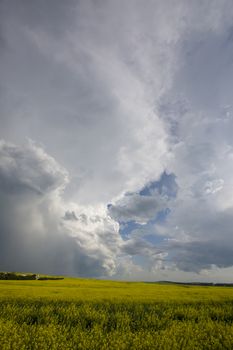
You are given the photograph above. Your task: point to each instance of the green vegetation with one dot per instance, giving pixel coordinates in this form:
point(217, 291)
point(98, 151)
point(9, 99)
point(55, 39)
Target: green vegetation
point(92, 314)
point(25, 276)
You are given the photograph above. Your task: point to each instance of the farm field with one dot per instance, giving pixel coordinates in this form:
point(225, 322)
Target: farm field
point(91, 314)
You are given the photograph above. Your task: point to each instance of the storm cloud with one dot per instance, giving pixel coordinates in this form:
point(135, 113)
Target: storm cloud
point(35, 235)
point(116, 151)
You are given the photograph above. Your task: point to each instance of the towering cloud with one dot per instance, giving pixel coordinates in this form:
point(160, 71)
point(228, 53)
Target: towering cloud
point(35, 235)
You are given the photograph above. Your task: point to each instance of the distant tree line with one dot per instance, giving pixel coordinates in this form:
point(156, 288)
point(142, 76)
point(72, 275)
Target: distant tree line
point(18, 276)
point(196, 283)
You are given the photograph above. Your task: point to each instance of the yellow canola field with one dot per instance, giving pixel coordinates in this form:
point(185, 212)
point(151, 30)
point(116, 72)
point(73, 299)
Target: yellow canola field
point(93, 314)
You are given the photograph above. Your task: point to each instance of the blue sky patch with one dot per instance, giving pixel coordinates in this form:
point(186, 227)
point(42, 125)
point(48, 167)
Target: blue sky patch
point(166, 186)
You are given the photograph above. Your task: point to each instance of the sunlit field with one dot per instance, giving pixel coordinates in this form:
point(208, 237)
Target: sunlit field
point(92, 314)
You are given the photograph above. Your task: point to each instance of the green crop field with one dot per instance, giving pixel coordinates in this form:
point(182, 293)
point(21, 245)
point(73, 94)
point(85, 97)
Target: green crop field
point(92, 314)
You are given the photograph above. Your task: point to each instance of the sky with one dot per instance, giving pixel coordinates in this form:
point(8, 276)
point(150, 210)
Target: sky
point(116, 148)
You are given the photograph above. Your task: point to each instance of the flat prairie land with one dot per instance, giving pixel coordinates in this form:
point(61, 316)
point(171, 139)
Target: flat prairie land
point(91, 314)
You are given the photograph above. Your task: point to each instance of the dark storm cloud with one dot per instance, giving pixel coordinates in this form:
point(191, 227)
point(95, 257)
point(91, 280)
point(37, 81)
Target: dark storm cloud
point(29, 168)
point(138, 208)
point(33, 235)
point(53, 16)
point(199, 255)
point(137, 246)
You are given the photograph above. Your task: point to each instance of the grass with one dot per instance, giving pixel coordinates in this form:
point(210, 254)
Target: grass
point(92, 314)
